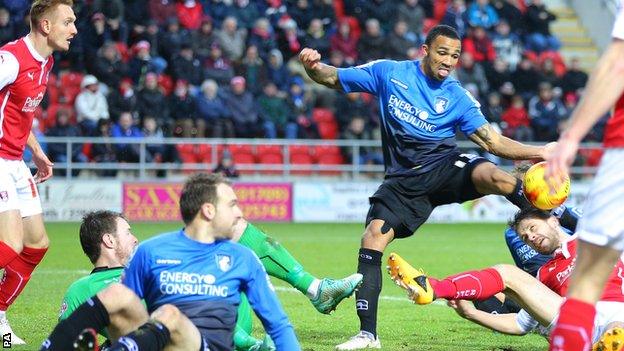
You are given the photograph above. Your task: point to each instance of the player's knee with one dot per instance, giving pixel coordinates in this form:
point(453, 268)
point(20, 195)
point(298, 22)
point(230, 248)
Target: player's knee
point(42, 241)
point(377, 235)
point(168, 315)
point(16, 244)
point(507, 273)
point(116, 297)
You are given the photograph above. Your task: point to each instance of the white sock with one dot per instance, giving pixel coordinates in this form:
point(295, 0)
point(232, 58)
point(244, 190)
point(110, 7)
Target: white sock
point(313, 289)
point(2, 314)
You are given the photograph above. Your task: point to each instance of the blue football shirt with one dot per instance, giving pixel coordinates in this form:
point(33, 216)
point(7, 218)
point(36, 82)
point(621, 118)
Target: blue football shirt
point(419, 115)
point(205, 281)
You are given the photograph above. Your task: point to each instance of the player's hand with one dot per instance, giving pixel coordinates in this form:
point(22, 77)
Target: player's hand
point(44, 167)
point(559, 160)
point(461, 307)
point(310, 58)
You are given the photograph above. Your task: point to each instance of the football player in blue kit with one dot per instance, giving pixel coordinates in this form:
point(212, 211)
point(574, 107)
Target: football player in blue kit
point(421, 107)
point(190, 281)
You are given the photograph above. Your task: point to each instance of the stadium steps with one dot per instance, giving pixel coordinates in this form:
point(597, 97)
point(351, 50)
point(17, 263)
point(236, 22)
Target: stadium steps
point(574, 37)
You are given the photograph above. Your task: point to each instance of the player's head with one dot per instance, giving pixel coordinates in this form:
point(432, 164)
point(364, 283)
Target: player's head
point(55, 20)
point(442, 49)
point(210, 197)
point(107, 233)
point(538, 229)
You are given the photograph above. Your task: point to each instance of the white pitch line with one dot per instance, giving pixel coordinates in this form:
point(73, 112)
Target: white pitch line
point(382, 297)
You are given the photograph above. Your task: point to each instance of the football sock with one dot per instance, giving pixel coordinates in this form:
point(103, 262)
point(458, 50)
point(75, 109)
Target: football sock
point(91, 314)
point(7, 254)
point(517, 196)
point(17, 274)
point(277, 261)
point(573, 331)
point(244, 324)
point(367, 296)
point(471, 285)
point(151, 336)
point(242, 339)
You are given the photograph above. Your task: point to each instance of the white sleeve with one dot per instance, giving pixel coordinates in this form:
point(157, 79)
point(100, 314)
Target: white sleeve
point(618, 26)
point(525, 321)
point(9, 67)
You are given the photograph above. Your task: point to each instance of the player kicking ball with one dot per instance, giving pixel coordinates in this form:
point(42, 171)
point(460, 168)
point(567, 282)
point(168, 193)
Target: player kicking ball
point(539, 297)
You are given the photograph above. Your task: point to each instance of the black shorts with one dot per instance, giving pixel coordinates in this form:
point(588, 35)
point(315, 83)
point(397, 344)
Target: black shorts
point(405, 203)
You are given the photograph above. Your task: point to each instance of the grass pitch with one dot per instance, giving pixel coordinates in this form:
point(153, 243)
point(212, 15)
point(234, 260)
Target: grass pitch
point(324, 250)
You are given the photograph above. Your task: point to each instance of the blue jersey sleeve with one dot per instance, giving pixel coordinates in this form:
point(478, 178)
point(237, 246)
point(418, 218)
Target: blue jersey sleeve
point(523, 255)
point(363, 78)
point(134, 275)
point(472, 118)
point(264, 302)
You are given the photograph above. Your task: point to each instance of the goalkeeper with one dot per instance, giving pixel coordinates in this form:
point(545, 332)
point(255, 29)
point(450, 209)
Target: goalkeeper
point(108, 242)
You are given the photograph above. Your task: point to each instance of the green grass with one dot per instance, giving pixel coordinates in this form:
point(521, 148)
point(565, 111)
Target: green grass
point(325, 250)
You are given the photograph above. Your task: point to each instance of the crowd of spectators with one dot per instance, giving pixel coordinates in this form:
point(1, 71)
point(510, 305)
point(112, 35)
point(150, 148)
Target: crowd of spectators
point(229, 68)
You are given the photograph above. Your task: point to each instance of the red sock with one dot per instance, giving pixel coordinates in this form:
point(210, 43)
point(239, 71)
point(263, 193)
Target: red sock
point(17, 274)
point(573, 331)
point(472, 285)
point(7, 254)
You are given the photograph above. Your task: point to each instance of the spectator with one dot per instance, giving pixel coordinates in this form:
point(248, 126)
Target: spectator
point(7, 31)
point(202, 39)
point(181, 103)
point(349, 106)
point(507, 44)
point(345, 42)
point(226, 166)
point(300, 104)
point(211, 108)
point(161, 10)
point(217, 66)
point(152, 102)
point(186, 66)
point(372, 43)
point(316, 37)
point(262, 37)
point(472, 72)
point(90, 105)
point(289, 40)
point(456, 17)
point(516, 123)
point(479, 44)
point(324, 9)
point(190, 13)
point(509, 13)
point(155, 152)
point(254, 71)
point(538, 20)
point(171, 40)
point(548, 72)
point(125, 128)
point(219, 10)
point(150, 33)
point(277, 71)
point(356, 130)
point(398, 42)
point(575, 78)
point(143, 62)
point(232, 39)
point(274, 112)
point(482, 14)
point(112, 9)
point(122, 99)
point(17, 8)
point(383, 10)
point(104, 152)
point(498, 74)
point(96, 34)
point(546, 112)
point(246, 12)
point(526, 78)
point(63, 128)
point(108, 66)
point(243, 109)
point(302, 13)
point(413, 14)
point(493, 110)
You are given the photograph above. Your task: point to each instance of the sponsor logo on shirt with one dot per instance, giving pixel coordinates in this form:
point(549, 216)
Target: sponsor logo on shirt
point(565, 274)
point(185, 283)
point(404, 111)
point(440, 103)
point(31, 103)
point(399, 83)
point(168, 261)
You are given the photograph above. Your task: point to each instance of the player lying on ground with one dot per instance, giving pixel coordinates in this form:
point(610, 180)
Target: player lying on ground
point(107, 240)
point(190, 281)
point(539, 297)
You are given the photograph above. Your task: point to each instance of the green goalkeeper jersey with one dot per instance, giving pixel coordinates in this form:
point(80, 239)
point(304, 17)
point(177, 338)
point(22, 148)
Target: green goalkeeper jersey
point(86, 287)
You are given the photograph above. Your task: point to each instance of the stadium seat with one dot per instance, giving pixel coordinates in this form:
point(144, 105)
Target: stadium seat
point(329, 159)
point(50, 119)
point(124, 52)
point(320, 115)
point(244, 158)
point(264, 149)
point(320, 150)
point(328, 130)
point(271, 159)
point(299, 150)
point(166, 83)
point(240, 148)
point(301, 159)
point(71, 79)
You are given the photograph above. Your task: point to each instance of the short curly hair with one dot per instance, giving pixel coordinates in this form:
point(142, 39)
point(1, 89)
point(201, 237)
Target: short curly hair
point(41, 7)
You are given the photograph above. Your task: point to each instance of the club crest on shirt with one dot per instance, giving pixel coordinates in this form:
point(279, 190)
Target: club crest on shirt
point(224, 262)
point(439, 104)
point(4, 196)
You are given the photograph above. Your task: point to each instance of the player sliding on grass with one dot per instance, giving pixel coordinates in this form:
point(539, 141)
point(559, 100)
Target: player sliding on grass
point(540, 298)
point(106, 239)
point(190, 281)
point(422, 108)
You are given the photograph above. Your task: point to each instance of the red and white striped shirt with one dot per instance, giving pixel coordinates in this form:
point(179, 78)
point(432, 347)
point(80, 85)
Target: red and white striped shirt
point(23, 82)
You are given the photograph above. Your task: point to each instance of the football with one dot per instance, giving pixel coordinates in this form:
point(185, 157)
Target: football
point(537, 191)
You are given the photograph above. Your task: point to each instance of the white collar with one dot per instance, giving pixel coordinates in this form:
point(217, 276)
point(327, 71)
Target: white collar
point(31, 47)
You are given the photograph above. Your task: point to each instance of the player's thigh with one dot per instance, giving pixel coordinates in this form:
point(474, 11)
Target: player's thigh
point(11, 232)
point(34, 232)
point(184, 334)
point(487, 178)
point(394, 217)
point(125, 310)
point(602, 223)
point(455, 182)
point(27, 192)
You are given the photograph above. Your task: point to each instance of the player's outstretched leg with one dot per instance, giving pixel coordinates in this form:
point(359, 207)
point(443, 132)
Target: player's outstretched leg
point(324, 294)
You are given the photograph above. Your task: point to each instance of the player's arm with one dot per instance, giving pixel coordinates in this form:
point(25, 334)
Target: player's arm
point(319, 72)
point(506, 323)
point(493, 142)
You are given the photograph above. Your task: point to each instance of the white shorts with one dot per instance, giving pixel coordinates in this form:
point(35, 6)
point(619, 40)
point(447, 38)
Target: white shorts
point(18, 190)
point(607, 312)
point(602, 222)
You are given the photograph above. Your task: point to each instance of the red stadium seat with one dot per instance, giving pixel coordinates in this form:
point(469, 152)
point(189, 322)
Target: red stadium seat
point(271, 159)
point(244, 158)
point(330, 159)
point(264, 149)
point(299, 150)
point(328, 130)
point(71, 79)
point(320, 115)
point(320, 150)
point(240, 148)
point(301, 159)
point(50, 120)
